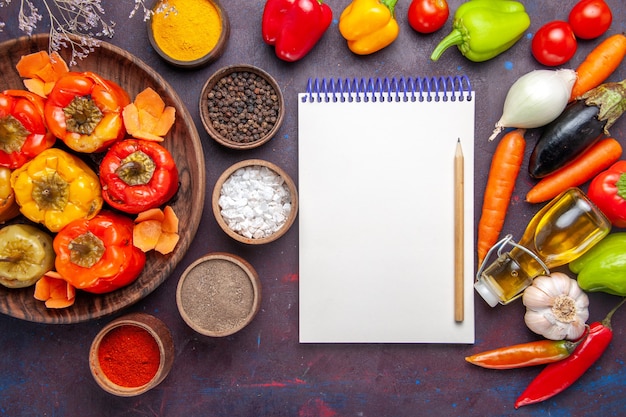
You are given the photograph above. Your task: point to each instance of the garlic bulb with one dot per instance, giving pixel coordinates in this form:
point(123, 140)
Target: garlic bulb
point(556, 307)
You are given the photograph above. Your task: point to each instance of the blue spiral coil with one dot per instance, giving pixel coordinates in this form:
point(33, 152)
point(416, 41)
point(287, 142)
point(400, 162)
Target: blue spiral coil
point(386, 90)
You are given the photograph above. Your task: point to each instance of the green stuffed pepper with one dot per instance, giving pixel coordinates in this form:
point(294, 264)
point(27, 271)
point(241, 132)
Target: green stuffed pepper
point(483, 29)
point(603, 267)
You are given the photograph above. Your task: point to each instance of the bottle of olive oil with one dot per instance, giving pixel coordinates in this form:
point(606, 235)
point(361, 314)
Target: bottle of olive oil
point(560, 232)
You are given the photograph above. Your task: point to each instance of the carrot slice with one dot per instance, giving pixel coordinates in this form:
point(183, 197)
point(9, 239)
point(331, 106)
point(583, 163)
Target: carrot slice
point(166, 243)
point(170, 220)
point(146, 234)
point(150, 214)
point(41, 71)
point(54, 291)
point(147, 117)
point(156, 229)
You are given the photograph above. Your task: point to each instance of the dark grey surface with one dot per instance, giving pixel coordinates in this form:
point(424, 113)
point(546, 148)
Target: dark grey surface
point(263, 370)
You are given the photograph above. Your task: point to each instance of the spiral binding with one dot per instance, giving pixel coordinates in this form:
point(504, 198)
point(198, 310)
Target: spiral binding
point(385, 89)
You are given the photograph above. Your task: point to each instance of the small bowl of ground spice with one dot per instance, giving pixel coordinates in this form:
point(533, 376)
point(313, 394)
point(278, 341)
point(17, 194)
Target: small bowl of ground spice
point(218, 294)
point(131, 355)
point(255, 201)
point(189, 33)
point(241, 106)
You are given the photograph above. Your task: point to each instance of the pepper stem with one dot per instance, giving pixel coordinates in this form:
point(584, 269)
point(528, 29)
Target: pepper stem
point(390, 4)
point(607, 320)
point(454, 38)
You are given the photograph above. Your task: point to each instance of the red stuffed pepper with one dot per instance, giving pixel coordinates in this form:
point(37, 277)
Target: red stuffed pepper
point(608, 191)
point(98, 255)
point(85, 111)
point(294, 26)
point(137, 175)
point(23, 131)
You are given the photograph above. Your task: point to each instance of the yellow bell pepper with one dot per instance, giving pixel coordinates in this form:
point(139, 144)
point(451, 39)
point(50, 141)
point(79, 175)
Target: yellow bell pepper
point(8, 207)
point(369, 25)
point(55, 188)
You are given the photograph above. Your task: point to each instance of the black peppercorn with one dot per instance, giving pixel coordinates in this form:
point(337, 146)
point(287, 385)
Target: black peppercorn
point(243, 107)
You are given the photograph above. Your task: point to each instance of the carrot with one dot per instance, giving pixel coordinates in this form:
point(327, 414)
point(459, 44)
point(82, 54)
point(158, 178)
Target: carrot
point(593, 161)
point(505, 166)
point(599, 64)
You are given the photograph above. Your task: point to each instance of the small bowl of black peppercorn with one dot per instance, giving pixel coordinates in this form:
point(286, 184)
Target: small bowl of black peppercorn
point(241, 106)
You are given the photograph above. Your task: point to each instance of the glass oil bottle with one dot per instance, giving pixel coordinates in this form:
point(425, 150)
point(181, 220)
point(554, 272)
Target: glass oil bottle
point(560, 232)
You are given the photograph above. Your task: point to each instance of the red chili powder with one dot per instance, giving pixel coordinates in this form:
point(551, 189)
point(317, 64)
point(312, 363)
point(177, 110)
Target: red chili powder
point(129, 356)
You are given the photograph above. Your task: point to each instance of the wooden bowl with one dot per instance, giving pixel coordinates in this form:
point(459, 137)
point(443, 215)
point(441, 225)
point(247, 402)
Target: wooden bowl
point(182, 141)
point(217, 208)
point(218, 294)
point(211, 56)
point(145, 323)
point(268, 125)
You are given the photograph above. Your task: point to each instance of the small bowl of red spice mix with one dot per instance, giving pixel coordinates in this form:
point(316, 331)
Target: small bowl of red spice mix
point(131, 355)
point(241, 106)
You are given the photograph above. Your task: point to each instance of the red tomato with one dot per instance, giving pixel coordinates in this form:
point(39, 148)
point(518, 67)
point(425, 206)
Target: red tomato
point(554, 43)
point(590, 18)
point(428, 16)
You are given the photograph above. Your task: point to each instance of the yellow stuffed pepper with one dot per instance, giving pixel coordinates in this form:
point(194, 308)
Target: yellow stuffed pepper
point(56, 188)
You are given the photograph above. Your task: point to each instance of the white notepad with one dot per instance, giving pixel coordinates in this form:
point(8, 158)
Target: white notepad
point(376, 210)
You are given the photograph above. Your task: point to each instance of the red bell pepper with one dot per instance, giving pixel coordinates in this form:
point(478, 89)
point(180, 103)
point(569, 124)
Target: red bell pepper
point(23, 131)
point(84, 110)
point(559, 376)
point(294, 26)
point(98, 255)
point(137, 175)
point(608, 191)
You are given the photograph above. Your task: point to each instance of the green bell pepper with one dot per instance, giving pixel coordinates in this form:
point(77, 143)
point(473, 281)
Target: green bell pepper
point(603, 267)
point(483, 29)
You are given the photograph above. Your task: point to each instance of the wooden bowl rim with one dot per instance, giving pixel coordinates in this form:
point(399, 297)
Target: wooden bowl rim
point(20, 303)
point(212, 56)
point(290, 185)
point(250, 272)
point(203, 105)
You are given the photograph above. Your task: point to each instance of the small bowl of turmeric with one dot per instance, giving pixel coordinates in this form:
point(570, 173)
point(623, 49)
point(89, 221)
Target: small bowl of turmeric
point(189, 33)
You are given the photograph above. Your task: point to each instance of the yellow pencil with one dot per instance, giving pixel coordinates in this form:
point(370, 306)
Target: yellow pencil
point(459, 186)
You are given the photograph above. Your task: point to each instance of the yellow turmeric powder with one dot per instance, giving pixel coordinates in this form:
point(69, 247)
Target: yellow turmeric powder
point(190, 31)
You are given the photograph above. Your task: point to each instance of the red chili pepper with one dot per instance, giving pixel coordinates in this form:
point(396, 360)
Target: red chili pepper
point(137, 175)
point(608, 191)
point(98, 255)
point(524, 354)
point(23, 131)
point(85, 111)
point(294, 26)
point(557, 377)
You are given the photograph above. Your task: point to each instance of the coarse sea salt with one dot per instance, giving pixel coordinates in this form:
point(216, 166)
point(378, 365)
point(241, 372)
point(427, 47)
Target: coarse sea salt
point(255, 202)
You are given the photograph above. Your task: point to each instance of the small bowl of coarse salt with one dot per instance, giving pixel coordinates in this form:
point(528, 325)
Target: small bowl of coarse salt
point(241, 106)
point(255, 201)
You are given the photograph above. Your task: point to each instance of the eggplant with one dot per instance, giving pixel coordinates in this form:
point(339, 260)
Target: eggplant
point(578, 127)
point(562, 140)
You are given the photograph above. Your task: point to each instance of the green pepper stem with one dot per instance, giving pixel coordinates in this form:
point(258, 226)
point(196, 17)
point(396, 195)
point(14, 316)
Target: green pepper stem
point(607, 320)
point(391, 4)
point(454, 38)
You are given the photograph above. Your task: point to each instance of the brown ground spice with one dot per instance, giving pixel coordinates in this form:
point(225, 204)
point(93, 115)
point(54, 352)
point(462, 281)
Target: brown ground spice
point(217, 295)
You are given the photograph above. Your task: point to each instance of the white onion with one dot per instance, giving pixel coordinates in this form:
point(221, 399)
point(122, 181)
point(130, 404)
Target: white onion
point(536, 99)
